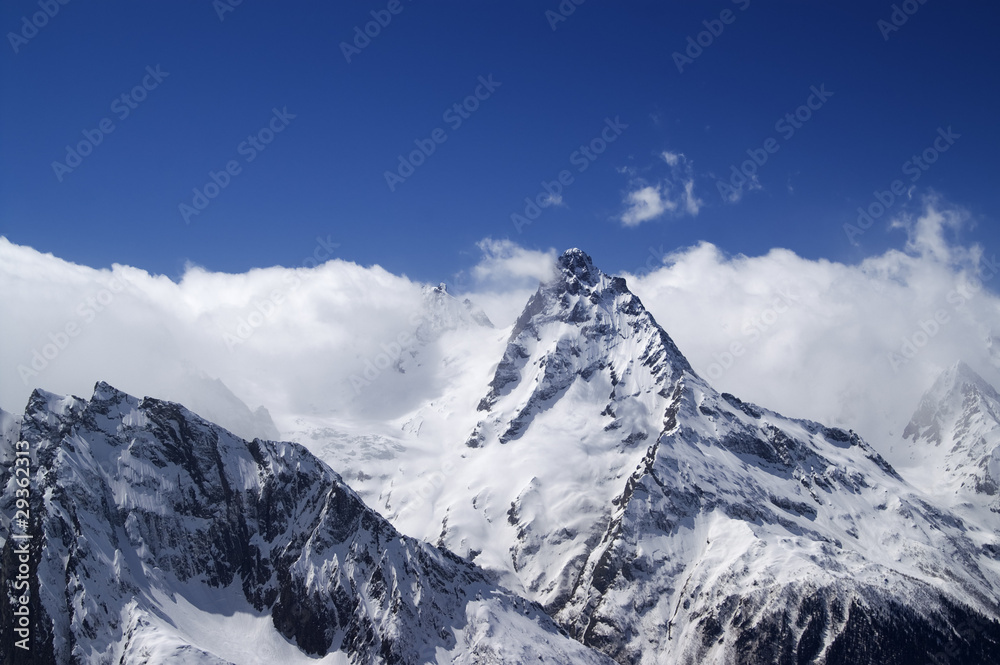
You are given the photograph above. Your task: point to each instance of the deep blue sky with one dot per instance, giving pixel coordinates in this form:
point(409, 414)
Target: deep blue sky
point(323, 175)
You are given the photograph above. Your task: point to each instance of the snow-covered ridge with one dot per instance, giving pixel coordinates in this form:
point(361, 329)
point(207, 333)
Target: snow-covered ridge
point(197, 525)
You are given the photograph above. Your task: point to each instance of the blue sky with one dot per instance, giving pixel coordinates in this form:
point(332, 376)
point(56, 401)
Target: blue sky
point(553, 90)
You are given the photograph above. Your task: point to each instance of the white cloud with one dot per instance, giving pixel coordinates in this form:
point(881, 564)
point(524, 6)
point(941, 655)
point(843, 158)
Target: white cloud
point(673, 195)
point(552, 200)
point(671, 158)
point(926, 233)
point(504, 260)
point(287, 338)
point(645, 204)
point(691, 202)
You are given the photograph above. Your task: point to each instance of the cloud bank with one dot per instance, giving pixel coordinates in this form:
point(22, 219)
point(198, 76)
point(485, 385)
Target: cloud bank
point(849, 345)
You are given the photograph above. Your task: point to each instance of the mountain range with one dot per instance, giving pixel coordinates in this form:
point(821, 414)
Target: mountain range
point(584, 497)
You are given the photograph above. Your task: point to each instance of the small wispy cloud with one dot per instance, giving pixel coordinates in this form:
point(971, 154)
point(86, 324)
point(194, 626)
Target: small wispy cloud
point(553, 200)
point(735, 194)
point(926, 232)
point(673, 195)
point(645, 204)
point(671, 158)
point(692, 204)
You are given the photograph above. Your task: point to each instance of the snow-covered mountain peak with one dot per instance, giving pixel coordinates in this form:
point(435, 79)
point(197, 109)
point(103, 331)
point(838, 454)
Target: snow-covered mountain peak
point(962, 372)
point(958, 396)
point(582, 328)
point(105, 392)
point(575, 263)
point(955, 385)
point(441, 312)
point(955, 433)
